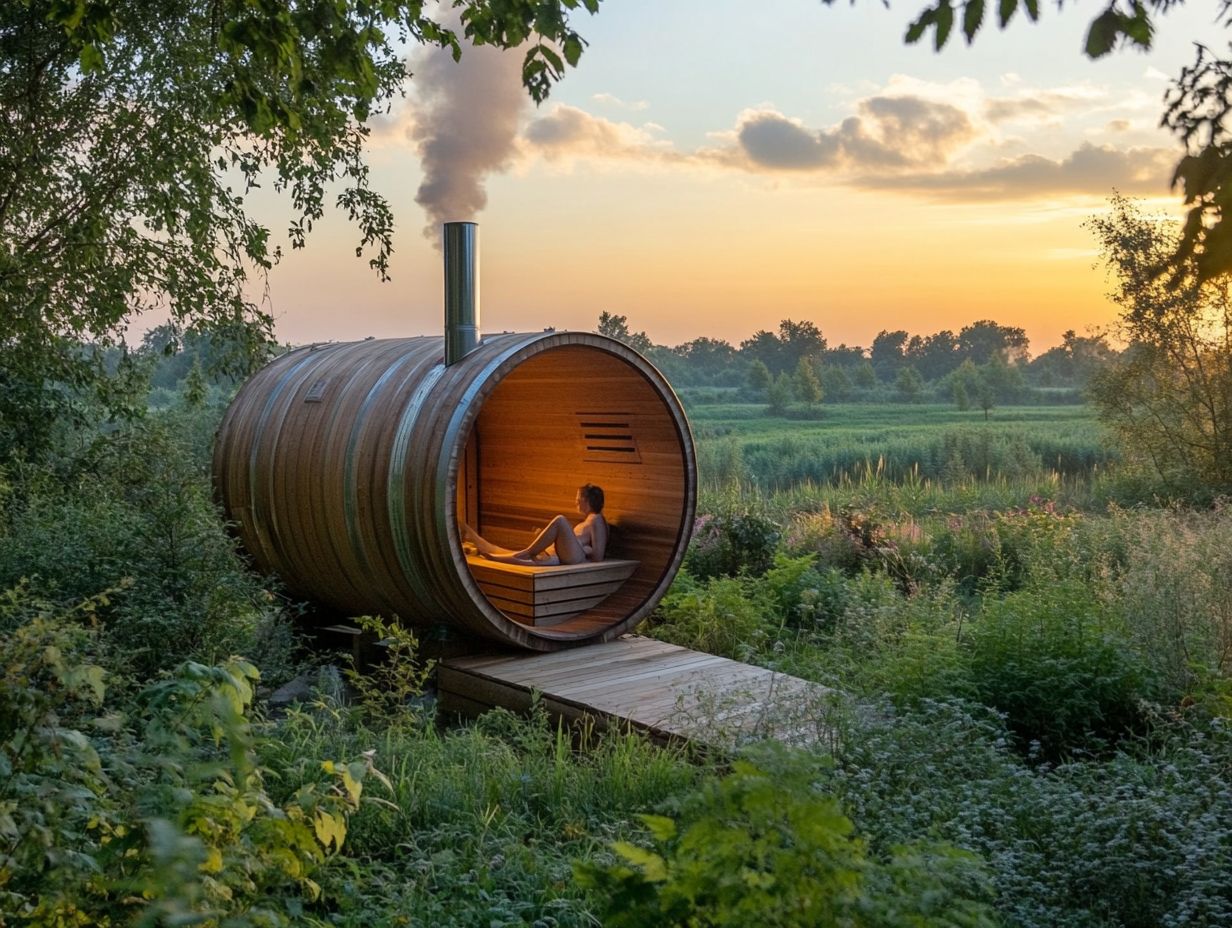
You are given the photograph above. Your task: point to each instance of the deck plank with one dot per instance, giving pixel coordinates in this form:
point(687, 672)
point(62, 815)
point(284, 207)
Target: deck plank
point(670, 692)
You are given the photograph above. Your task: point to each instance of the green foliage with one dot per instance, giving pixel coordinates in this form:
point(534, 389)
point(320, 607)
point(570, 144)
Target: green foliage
point(617, 327)
point(909, 383)
point(733, 539)
point(760, 377)
point(1139, 840)
point(134, 509)
point(778, 394)
point(224, 96)
point(387, 688)
point(762, 847)
point(1168, 574)
point(805, 384)
point(150, 809)
point(720, 615)
point(1060, 667)
point(1169, 399)
point(484, 820)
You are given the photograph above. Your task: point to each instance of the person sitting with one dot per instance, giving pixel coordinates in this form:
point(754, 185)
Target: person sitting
point(559, 542)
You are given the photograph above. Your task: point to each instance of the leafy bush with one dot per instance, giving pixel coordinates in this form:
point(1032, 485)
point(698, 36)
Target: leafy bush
point(133, 510)
point(152, 809)
point(484, 820)
point(764, 848)
point(1056, 662)
point(728, 543)
point(1140, 840)
point(717, 615)
point(1168, 573)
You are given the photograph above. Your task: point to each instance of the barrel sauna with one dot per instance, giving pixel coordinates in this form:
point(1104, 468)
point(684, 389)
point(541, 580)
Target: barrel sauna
point(347, 470)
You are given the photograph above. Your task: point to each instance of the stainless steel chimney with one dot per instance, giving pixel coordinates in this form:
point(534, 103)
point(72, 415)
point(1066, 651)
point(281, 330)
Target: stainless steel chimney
point(461, 240)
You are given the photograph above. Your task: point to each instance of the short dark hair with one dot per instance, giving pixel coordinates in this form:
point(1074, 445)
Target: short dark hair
point(594, 496)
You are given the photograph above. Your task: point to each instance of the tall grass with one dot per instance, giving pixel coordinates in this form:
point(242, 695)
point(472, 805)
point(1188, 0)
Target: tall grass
point(859, 443)
point(482, 823)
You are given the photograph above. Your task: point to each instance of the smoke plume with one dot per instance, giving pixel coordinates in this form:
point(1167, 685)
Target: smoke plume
point(466, 123)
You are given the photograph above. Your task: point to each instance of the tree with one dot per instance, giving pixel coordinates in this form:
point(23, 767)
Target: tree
point(131, 135)
point(760, 377)
point(866, 377)
point(835, 383)
point(1197, 109)
point(888, 353)
point(800, 341)
point(617, 327)
point(1168, 397)
point(984, 340)
point(782, 352)
point(1074, 362)
point(962, 398)
point(779, 394)
point(934, 356)
point(909, 383)
point(805, 383)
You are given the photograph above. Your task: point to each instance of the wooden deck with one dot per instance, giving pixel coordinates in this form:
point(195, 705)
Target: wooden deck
point(668, 691)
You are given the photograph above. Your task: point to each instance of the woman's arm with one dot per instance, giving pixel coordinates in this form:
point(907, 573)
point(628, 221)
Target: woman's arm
point(598, 539)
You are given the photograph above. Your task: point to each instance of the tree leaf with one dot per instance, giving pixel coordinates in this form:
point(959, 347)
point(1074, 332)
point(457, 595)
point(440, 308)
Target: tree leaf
point(973, 18)
point(916, 30)
point(1102, 35)
point(945, 22)
point(1006, 10)
point(91, 59)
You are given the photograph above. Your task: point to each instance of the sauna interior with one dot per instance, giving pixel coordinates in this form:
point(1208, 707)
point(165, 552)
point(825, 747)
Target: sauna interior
point(570, 415)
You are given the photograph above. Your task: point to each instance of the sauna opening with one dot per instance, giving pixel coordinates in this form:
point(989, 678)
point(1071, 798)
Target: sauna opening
point(571, 415)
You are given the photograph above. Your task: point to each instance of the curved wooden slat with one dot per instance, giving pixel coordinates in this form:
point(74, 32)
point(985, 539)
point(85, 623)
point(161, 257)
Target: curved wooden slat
point(343, 468)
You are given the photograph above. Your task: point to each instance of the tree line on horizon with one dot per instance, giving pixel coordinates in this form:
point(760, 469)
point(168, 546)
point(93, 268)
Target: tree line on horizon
point(984, 355)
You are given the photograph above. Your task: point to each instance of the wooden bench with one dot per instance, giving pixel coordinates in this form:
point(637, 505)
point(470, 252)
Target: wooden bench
point(548, 595)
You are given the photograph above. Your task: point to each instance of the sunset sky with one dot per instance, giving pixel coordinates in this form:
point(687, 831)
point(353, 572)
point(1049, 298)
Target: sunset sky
point(713, 167)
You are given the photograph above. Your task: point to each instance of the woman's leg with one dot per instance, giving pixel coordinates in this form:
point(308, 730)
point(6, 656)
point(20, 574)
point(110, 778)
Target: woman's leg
point(558, 534)
point(485, 547)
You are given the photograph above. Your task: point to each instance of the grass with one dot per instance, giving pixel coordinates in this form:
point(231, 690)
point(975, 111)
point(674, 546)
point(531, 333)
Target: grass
point(903, 450)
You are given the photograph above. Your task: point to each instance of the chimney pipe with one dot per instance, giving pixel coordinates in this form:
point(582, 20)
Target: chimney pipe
point(461, 240)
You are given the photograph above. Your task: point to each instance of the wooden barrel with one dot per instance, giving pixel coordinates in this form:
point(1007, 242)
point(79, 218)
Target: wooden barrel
point(346, 469)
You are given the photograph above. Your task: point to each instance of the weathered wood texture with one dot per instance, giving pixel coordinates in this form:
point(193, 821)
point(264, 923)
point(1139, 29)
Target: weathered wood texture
point(345, 469)
point(668, 691)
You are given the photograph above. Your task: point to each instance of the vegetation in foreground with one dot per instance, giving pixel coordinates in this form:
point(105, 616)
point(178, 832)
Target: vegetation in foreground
point(1043, 738)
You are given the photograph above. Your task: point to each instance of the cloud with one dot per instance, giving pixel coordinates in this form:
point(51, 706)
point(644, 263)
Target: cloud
point(936, 140)
point(1036, 105)
point(1090, 169)
point(567, 132)
point(889, 132)
point(607, 99)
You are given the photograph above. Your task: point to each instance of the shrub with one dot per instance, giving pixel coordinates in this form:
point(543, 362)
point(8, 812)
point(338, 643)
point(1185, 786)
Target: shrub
point(1134, 841)
point(134, 510)
point(1055, 661)
point(1169, 575)
point(763, 847)
point(731, 542)
point(721, 616)
point(152, 810)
